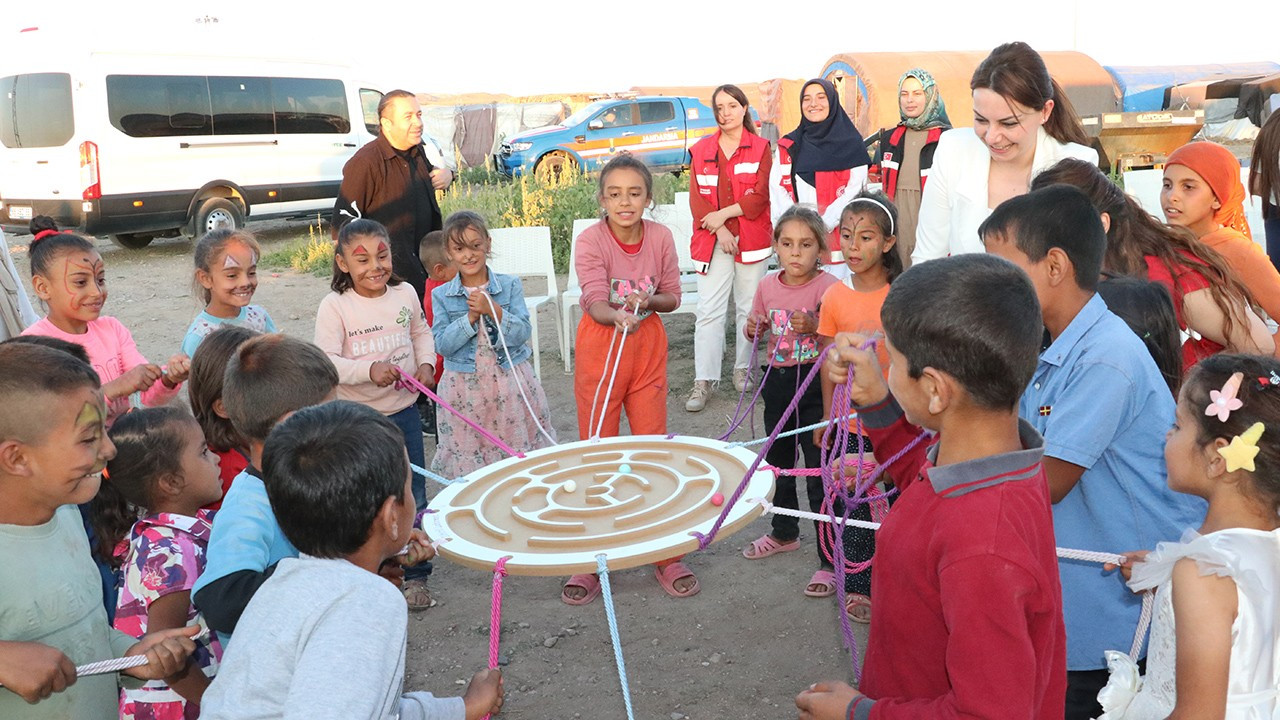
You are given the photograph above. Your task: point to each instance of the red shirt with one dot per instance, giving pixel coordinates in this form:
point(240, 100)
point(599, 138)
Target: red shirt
point(230, 464)
point(968, 607)
point(426, 308)
point(1189, 280)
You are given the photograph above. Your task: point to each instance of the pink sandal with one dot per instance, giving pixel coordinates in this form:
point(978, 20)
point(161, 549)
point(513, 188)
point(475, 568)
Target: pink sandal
point(858, 607)
point(826, 579)
point(586, 581)
point(765, 545)
point(668, 575)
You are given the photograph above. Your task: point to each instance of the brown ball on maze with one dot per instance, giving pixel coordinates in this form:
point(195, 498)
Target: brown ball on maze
point(553, 511)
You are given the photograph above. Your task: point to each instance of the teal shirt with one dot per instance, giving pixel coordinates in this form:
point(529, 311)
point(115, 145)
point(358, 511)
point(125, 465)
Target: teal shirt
point(254, 317)
point(52, 594)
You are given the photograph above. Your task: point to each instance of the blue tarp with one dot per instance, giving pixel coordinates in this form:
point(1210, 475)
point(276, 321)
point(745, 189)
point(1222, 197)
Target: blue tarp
point(1143, 86)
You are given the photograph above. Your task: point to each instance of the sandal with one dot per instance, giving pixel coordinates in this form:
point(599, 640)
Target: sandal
point(824, 578)
point(586, 581)
point(417, 596)
point(858, 607)
point(668, 575)
point(765, 545)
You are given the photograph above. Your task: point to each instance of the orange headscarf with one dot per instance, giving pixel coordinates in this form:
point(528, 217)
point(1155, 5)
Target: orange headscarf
point(1221, 170)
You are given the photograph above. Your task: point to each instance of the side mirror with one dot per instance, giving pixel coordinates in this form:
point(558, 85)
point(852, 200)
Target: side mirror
point(596, 124)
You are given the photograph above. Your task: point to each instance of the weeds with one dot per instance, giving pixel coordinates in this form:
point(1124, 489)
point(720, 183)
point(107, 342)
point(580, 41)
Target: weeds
point(314, 256)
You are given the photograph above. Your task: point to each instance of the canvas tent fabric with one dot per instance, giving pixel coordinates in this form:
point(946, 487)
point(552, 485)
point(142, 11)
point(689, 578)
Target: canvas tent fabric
point(473, 132)
point(1143, 86)
point(1255, 98)
point(868, 83)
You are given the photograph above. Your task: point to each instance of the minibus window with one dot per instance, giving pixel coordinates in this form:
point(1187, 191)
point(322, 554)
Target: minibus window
point(146, 106)
point(35, 110)
point(242, 106)
point(306, 105)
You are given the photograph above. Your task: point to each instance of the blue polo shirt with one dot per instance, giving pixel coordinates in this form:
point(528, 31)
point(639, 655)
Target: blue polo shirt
point(1100, 403)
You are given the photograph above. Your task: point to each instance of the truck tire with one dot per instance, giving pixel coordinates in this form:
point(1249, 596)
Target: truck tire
point(133, 241)
point(217, 214)
point(552, 165)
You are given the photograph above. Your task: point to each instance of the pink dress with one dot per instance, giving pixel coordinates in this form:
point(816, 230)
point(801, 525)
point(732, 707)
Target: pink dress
point(163, 554)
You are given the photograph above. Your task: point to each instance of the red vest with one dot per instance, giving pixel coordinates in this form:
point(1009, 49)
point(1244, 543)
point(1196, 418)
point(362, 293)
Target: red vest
point(755, 236)
point(892, 158)
point(831, 184)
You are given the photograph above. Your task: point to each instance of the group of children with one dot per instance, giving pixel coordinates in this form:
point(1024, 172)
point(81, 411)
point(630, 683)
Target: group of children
point(240, 542)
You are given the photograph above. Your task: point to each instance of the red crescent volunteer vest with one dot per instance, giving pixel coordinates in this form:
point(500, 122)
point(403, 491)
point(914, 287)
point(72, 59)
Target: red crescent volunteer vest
point(755, 235)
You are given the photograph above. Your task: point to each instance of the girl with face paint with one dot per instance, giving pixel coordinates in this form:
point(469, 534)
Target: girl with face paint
point(226, 276)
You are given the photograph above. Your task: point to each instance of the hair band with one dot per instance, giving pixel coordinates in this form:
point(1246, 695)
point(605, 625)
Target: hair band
point(878, 204)
point(42, 235)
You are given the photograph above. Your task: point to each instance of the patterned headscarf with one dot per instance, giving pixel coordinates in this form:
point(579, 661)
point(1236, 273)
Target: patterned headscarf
point(935, 111)
point(1221, 171)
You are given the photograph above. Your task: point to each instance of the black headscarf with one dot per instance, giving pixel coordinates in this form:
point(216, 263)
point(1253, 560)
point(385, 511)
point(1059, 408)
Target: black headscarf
point(833, 144)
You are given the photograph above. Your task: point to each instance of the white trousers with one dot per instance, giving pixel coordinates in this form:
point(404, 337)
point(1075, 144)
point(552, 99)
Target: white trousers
point(724, 275)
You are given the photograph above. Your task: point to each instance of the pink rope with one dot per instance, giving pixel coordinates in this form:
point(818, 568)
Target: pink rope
point(495, 613)
point(410, 382)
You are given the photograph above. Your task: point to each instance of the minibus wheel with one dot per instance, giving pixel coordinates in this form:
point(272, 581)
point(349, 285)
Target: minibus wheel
point(218, 213)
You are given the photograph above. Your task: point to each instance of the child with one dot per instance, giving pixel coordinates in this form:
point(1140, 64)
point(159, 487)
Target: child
point(164, 469)
point(1216, 626)
point(325, 636)
point(372, 327)
point(969, 610)
point(1146, 308)
point(204, 392)
point(786, 311)
point(1103, 409)
point(868, 234)
point(268, 377)
point(225, 279)
point(53, 445)
point(68, 275)
point(629, 271)
point(1203, 193)
point(487, 381)
point(435, 259)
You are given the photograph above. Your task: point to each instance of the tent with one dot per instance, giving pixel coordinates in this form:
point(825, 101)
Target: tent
point(474, 131)
point(1256, 96)
point(1143, 86)
point(868, 83)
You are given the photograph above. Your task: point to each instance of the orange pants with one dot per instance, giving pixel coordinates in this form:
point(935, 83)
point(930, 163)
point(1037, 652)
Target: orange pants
point(641, 383)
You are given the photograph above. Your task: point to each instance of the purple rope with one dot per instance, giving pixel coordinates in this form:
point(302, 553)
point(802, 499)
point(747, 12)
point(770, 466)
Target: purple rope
point(740, 417)
point(407, 380)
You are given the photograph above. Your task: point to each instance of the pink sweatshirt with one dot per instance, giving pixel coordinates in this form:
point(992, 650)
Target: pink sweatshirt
point(356, 331)
point(112, 352)
point(607, 273)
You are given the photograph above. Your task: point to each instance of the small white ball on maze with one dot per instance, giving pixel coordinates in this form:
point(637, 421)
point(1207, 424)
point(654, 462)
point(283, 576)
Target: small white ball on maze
point(637, 499)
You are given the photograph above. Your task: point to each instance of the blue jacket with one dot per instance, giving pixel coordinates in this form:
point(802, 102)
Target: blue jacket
point(456, 338)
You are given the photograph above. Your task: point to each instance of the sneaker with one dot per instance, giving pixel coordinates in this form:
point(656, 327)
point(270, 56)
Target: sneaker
point(427, 414)
point(698, 396)
point(742, 379)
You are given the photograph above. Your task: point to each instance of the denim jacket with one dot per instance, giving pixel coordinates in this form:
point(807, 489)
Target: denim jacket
point(456, 338)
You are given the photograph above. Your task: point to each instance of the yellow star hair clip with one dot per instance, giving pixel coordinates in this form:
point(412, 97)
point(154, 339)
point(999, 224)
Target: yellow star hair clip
point(1243, 449)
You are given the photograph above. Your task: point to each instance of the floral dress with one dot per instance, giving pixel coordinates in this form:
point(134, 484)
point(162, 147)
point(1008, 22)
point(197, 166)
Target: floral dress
point(163, 554)
point(489, 397)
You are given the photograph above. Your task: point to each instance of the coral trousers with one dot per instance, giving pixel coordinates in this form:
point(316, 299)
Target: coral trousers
point(641, 383)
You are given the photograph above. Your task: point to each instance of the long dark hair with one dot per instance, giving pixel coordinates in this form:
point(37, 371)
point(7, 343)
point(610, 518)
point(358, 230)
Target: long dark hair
point(1264, 168)
point(736, 93)
point(1134, 235)
point(204, 385)
point(1016, 72)
point(149, 445)
point(1147, 309)
point(360, 227)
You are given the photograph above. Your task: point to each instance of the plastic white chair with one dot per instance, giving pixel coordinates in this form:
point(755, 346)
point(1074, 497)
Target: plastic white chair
point(526, 253)
point(1144, 186)
point(571, 299)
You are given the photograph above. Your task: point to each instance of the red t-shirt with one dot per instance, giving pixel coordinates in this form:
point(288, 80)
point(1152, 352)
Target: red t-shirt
point(426, 308)
point(1189, 280)
point(230, 464)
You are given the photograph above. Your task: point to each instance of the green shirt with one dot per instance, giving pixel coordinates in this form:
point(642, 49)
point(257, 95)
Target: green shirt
point(53, 595)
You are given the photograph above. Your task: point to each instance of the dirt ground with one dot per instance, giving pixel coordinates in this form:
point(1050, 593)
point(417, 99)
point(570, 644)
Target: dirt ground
point(742, 648)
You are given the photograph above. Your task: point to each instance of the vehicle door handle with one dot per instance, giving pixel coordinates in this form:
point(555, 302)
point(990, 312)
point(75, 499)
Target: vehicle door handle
point(627, 134)
point(673, 127)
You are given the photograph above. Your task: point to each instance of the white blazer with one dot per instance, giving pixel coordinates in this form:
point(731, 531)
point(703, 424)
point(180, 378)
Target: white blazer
point(954, 202)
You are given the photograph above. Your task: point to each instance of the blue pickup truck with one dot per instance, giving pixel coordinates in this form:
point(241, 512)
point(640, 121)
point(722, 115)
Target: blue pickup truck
point(658, 129)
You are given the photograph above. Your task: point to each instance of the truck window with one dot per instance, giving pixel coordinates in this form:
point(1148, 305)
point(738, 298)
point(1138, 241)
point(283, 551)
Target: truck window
point(617, 116)
point(35, 110)
point(369, 100)
point(159, 105)
point(304, 105)
point(241, 106)
point(656, 112)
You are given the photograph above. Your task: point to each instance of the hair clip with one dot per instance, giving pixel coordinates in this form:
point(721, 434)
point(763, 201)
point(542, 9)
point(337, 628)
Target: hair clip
point(1222, 402)
point(105, 475)
point(1243, 449)
point(1270, 381)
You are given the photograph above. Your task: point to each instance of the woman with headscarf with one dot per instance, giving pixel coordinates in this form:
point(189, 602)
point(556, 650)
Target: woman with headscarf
point(823, 163)
point(906, 151)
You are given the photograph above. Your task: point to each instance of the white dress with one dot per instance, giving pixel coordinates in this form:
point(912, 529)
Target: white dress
point(1251, 559)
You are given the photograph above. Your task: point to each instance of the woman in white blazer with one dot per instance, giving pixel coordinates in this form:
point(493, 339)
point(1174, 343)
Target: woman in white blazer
point(1023, 122)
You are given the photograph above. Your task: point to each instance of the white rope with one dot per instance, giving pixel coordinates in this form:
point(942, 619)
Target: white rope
point(1144, 619)
point(515, 375)
point(104, 667)
point(604, 409)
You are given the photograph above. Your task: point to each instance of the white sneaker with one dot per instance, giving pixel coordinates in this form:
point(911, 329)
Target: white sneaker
point(698, 396)
point(742, 380)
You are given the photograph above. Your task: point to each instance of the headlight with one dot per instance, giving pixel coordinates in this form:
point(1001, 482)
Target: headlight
point(521, 146)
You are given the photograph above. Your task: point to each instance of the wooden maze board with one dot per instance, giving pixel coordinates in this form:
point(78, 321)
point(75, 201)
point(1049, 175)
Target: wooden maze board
point(637, 499)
